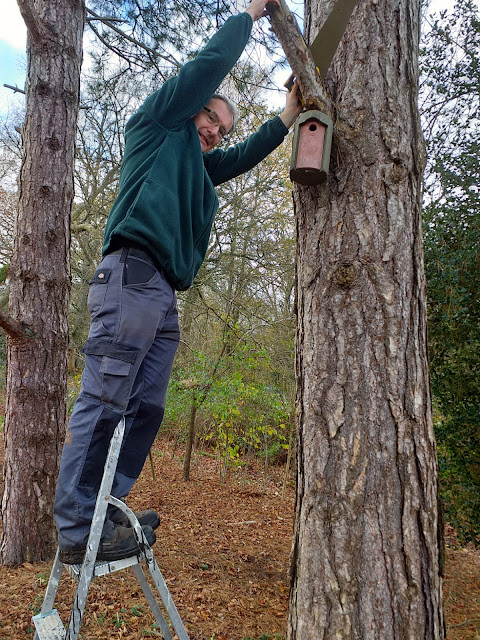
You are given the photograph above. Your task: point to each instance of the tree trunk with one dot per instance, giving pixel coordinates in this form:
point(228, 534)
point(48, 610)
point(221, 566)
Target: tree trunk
point(365, 561)
point(39, 279)
point(190, 440)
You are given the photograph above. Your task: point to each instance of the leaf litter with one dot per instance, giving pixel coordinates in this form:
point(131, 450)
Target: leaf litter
point(223, 548)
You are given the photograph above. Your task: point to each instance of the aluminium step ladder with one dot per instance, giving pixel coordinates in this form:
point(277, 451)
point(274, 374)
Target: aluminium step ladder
point(48, 624)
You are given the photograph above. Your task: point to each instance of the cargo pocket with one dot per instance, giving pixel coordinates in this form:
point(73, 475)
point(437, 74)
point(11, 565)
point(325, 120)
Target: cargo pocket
point(115, 383)
point(109, 369)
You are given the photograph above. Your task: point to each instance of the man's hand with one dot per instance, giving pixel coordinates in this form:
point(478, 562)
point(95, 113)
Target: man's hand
point(257, 8)
point(293, 107)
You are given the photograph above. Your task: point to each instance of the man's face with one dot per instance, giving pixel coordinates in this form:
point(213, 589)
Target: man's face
point(214, 124)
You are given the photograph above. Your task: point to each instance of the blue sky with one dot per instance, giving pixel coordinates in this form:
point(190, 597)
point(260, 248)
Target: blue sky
point(12, 53)
point(12, 64)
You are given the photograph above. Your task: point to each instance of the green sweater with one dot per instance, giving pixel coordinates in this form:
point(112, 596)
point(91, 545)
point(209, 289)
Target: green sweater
point(166, 202)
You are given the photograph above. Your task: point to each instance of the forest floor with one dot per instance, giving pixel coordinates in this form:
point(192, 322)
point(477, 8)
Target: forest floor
point(223, 547)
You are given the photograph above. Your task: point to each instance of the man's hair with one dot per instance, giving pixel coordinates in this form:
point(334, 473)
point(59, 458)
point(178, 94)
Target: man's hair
point(232, 107)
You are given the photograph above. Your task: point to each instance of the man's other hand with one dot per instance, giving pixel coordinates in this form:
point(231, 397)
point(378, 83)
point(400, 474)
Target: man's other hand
point(293, 107)
point(257, 8)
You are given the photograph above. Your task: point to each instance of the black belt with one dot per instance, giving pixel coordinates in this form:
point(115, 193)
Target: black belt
point(135, 252)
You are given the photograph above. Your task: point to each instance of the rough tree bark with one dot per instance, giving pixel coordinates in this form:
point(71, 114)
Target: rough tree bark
point(39, 279)
point(365, 560)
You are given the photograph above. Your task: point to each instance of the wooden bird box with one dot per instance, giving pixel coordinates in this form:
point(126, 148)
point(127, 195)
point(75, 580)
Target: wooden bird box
point(312, 142)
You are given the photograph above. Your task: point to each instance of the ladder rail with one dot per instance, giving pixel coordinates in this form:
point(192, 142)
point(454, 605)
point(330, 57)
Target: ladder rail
point(154, 606)
point(165, 595)
point(155, 572)
point(52, 588)
point(48, 624)
point(96, 528)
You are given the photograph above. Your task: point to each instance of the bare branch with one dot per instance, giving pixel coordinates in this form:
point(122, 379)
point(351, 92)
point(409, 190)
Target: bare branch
point(115, 50)
point(463, 624)
point(32, 19)
point(149, 50)
point(14, 328)
point(15, 89)
point(104, 19)
point(299, 57)
point(88, 254)
point(76, 228)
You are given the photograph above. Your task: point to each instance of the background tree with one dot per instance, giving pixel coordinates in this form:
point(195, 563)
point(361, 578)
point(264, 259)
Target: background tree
point(366, 555)
point(451, 111)
point(39, 279)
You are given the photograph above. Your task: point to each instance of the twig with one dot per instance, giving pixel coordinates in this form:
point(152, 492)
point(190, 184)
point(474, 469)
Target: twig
point(151, 465)
point(14, 89)
point(462, 624)
point(105, 19)
point(168, 58)
point(450, 591)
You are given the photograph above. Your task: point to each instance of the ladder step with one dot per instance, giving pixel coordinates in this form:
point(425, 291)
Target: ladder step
point(49, 626)
point(102, 568)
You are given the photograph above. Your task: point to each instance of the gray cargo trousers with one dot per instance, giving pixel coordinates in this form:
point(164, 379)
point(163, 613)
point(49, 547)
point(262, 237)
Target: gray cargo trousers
point(129, 355)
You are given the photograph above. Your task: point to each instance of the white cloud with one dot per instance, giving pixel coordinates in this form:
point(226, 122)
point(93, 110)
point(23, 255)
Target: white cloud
point(12, 26)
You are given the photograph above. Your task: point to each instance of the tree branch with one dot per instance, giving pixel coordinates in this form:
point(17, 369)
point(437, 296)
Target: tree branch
point(83, 226)
point(15, 89)
point(14, 328)
point(135, 58)
point(107, 21)
point(90, 259)
point(32, 20)
point(300, 59)
point(104, 19)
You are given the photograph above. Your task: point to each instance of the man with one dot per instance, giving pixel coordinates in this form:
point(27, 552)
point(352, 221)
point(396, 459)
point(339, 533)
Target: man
point(156, 238)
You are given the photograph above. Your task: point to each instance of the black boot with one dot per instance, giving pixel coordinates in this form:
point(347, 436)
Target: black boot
point(148, 517)
point(122, 545)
